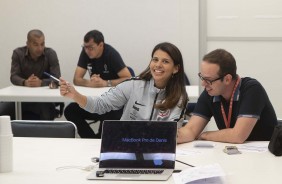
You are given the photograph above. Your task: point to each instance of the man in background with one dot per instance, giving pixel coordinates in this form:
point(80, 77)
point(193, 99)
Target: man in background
point(27, 69)
point(106, 69)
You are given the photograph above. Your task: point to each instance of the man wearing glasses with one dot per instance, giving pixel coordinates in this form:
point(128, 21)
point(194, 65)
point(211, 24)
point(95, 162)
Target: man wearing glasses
point(240, 106)
point(106, 68)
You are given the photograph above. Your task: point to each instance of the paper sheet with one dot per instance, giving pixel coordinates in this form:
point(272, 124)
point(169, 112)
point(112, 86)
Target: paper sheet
point(187, 152)
point(254, 147)
point(201, 174)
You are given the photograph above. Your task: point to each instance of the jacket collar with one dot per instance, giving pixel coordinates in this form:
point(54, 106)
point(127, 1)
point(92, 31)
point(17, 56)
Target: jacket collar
point(154, 89)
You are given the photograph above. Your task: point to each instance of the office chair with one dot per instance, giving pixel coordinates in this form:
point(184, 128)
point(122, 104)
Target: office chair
point(131, 71)
point(37, 128)
point(59, 109)
point(279, 121)
point(190, 107)
point(8, 108)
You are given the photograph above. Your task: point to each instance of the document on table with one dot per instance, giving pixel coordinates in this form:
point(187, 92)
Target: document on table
point(187, 152)
point(254, 147)
point(201, 174)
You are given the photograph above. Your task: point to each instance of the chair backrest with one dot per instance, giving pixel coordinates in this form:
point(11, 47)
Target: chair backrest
point(33, 128)
point(186, 80)
point(131, 71)
point(279, 121)
point(190, 107)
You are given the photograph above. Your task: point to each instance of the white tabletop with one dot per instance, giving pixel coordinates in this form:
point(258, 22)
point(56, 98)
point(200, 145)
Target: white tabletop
point(36, 161)
point(45, 94)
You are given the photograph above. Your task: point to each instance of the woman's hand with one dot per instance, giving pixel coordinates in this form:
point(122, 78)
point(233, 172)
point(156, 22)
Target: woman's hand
point(66, 89)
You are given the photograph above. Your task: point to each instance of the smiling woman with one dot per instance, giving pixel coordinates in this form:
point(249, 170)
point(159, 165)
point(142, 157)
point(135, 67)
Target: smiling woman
point(160, 86)
point(162, 68)
point(167, 70)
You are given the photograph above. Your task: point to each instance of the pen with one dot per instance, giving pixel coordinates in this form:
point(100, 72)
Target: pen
point(52, 76)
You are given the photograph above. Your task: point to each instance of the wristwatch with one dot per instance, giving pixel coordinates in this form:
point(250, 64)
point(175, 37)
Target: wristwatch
point(109, 83)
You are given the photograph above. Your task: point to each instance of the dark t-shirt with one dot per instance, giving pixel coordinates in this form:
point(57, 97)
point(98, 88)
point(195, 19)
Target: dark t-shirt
point(108, 65)
point(250, 100)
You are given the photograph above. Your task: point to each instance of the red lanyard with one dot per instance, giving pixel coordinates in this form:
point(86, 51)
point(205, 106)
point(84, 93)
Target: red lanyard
point(227, 121)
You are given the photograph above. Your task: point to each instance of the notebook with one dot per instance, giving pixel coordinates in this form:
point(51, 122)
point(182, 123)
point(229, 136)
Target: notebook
point(136, 150)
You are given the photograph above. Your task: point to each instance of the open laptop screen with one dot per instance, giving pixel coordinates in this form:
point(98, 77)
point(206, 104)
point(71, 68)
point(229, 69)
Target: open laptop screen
point(138, 144)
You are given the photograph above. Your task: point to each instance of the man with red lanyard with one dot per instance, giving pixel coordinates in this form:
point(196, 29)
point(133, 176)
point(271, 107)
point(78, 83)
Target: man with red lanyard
point(240, 106)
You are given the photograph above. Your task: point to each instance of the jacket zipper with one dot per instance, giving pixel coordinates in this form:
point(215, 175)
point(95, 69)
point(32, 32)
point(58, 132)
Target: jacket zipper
point(153, 106)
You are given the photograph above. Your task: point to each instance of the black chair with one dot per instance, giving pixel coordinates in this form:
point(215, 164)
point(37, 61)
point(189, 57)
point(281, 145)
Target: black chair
point(190, 107)
point(8, 108)
point(279, 121)
point(53, 129)
point(186, 80)
point(131, 71)
point(59, 109)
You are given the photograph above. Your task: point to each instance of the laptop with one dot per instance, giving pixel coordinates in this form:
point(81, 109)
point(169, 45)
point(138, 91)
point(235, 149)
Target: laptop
point(136, 150)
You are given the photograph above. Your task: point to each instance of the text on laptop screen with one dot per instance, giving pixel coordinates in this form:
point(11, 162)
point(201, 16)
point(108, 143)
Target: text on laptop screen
point(138, 144)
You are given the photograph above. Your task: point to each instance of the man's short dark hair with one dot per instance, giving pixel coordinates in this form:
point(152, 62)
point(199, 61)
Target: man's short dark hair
point(96, 35)
point(34, 33)
point(225, 61)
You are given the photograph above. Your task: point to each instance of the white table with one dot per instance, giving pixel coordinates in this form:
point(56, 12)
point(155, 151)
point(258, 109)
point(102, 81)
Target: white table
point(45, 94)
point(19, 94)
point(35, 162)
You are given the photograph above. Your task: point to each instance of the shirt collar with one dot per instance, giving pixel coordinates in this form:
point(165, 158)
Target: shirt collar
point(27, 52)
point(236, 94)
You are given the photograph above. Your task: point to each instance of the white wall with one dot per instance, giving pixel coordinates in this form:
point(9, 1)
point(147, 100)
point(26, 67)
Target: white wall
point(132, 27)
point(252, 31)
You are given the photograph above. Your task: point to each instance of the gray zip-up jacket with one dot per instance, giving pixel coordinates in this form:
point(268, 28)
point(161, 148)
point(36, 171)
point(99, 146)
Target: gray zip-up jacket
point(138, 98)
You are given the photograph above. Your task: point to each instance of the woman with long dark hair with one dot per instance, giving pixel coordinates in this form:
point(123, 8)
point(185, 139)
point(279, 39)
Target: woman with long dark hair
point(158, 93)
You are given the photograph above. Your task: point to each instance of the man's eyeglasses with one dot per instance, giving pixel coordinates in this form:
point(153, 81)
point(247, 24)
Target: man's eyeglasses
point(88, 47)
point(207, 80)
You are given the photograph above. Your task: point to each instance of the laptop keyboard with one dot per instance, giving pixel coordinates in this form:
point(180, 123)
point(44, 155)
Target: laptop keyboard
point(133, 171)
